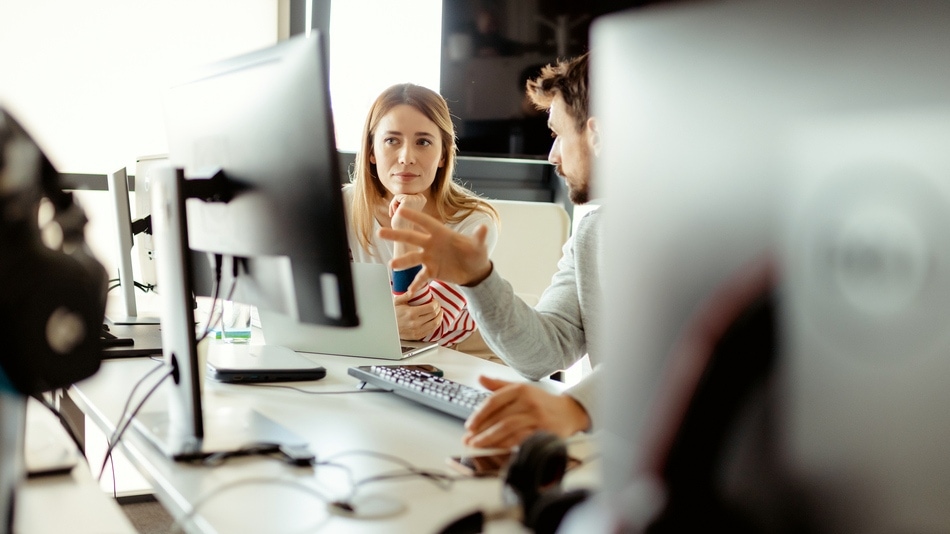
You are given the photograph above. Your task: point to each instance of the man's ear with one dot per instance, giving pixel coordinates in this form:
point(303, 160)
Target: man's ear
point(593, 135)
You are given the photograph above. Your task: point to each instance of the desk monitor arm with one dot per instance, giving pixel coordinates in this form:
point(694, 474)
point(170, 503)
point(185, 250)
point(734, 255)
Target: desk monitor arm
point(127, 229)
point(185, 431)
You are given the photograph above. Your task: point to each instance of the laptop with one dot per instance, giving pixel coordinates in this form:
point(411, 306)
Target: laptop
point(377, 335)
point(244, 363)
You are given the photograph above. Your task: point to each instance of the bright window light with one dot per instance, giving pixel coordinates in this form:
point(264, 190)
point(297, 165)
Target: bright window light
point(373, 45)
point(87, 78)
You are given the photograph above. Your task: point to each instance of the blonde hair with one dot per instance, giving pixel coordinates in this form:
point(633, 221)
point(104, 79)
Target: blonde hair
point(453, 201)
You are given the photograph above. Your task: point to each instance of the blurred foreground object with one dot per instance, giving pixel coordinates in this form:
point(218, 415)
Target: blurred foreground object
point(52, 290)
point(780, 271)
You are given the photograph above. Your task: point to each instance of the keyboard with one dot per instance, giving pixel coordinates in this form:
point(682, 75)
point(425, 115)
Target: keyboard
point(422, 387)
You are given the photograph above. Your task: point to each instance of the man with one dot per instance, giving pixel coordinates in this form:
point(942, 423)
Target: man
point(557, 332)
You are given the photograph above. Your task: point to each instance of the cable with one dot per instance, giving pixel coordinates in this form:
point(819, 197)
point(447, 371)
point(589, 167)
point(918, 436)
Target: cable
point(145, 288)
point(294, 388)
point(121, 430)
point(234, 279)
point(128, 400)
point(218, 262)
point(440, 479)
point(201, 501)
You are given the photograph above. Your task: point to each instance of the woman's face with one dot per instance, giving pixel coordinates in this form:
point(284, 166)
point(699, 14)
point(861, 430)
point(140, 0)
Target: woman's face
point(407, 151)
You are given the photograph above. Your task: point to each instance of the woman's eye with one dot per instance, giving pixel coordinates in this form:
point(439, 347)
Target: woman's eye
point(425, 142)
point(390, 141)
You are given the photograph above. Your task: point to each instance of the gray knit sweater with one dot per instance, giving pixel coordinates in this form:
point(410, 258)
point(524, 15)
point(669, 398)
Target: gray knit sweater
point(563, 327)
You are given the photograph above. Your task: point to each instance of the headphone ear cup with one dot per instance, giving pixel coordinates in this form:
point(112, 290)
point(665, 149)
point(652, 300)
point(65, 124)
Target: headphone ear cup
point(551, 507)
point(56, 319)
point(536, 468)
point(52, 298)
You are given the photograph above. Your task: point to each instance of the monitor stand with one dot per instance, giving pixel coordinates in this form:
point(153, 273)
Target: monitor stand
point(119, 187)
point(184, 431)
point(134, 319)
point(225, 430)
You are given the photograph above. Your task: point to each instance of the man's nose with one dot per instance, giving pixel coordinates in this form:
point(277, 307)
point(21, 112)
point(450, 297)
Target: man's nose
point(554, 156)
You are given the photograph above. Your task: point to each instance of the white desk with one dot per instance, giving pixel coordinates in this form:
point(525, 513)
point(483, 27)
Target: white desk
point(69, 502)
point(265, 495)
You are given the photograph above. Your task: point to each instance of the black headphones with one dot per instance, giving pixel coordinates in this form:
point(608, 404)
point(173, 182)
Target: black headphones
point(53, 291)
point(534, 481)
point(532, 487)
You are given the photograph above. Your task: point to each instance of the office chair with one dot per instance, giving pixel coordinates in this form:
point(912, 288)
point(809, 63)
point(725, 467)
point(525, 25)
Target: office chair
point(529, 244)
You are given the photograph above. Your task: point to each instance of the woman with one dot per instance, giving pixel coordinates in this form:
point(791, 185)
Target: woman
point(407, 157)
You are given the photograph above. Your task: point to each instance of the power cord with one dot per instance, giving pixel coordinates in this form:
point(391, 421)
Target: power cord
point(145, 288)
point(218, 264)
point(345, 505)
point(120, 427)
point(439, 478)
point(295, 388)
point(201, 501)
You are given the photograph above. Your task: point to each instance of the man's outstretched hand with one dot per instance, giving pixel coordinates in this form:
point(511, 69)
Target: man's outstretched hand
point(443, 253)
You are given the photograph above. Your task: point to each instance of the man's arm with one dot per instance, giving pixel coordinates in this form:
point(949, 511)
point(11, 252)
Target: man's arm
point(535, 342)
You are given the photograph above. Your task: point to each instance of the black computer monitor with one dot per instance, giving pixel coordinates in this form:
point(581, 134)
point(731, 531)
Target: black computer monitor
point(253, 178)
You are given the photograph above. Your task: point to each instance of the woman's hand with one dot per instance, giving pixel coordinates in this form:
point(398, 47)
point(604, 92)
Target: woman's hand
point(416, 322)
point(416, 202)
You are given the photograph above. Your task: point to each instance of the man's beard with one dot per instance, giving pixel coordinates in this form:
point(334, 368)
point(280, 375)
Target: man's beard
point(578, 195)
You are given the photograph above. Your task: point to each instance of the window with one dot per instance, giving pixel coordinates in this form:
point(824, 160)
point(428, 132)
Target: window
point(400, 43)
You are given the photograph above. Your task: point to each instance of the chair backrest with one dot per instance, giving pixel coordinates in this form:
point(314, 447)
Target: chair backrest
point(529, 244)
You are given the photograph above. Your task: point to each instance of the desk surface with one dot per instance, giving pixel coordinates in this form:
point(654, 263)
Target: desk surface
point(70, 502)
point(351, 429)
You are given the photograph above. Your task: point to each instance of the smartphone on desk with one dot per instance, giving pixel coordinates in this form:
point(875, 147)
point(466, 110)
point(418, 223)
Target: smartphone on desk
point(491, 464)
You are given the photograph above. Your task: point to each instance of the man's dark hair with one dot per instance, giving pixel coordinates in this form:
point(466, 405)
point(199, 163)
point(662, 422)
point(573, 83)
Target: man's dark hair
point(568, 78)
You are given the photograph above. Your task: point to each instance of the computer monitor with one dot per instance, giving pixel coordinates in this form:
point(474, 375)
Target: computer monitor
point(144, 246)
point(254, 179)
point(814, 132)
point(127, 229)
